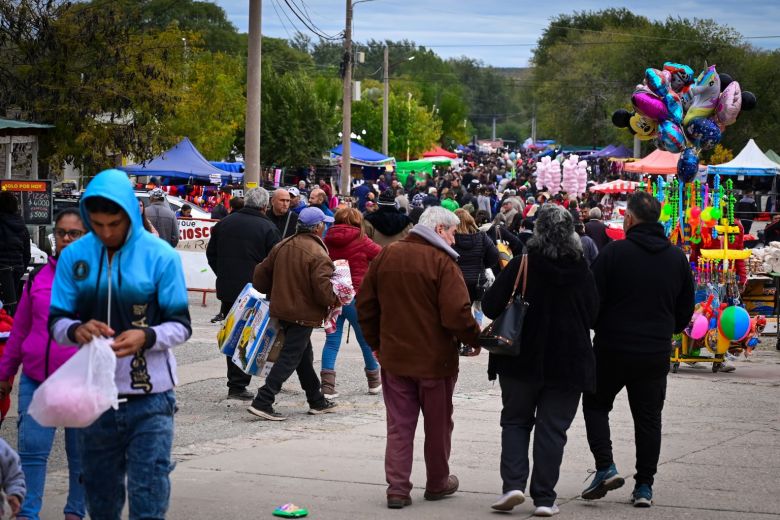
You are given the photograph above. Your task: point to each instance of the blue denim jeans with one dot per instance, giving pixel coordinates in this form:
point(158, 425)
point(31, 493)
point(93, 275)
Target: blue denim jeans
point(133, 442)
point(35, 443)
point(333, 340)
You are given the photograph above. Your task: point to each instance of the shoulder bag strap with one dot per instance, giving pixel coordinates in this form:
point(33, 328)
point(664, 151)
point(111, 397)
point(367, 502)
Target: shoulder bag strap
point(521, 271)
point(524, 267)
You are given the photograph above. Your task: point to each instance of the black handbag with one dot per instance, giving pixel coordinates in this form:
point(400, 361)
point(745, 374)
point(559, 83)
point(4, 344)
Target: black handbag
point(502, 337)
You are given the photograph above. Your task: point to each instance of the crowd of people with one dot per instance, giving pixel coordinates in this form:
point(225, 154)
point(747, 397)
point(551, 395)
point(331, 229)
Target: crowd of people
point(429, 259)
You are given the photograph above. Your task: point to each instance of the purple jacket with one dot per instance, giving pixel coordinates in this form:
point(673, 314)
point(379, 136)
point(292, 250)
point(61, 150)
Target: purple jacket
point(29, 339)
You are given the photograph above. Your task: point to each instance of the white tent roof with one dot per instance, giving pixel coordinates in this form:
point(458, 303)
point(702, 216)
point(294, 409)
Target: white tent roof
point(750, 161)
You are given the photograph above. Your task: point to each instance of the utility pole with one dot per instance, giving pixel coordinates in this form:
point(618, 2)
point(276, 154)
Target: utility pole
point(346, 127)
point(533, 125)
point(253, 99)
point(494, 129)
point(386, 101)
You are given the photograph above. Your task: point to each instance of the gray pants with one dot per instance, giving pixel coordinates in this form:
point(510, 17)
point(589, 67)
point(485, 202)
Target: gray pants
point(529, 405)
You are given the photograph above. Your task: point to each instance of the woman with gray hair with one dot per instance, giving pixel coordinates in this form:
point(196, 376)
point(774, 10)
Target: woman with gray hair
point(541, 387)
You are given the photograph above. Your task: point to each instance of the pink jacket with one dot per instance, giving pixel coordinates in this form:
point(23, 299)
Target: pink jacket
point(30, 339)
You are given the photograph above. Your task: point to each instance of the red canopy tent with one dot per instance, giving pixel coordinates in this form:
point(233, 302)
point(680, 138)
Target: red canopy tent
point(440, 152)
point(657, 163)
point(615, 187)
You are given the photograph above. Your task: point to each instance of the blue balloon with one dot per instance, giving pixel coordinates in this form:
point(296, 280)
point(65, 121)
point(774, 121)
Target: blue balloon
point(687, 165)
point(703, 132)
point(670, 137)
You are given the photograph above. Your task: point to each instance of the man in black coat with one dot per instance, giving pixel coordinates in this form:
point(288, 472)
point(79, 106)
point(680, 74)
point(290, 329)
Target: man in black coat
point(647, 295)
point(238, 243)
point(596, 229)
point(15, 250)
point(280, 214)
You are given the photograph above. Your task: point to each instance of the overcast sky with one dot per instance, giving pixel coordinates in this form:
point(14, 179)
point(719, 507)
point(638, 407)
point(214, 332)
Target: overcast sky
point(499, 32)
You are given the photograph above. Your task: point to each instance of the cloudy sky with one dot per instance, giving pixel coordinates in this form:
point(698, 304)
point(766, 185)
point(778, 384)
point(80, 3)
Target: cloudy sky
point(499, 32)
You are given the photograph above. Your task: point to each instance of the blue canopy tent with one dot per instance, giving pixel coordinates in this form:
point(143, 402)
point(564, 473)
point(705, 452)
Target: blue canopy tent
point(183, 161)
point(364, 156)
point(232, 167)
point(610, 151)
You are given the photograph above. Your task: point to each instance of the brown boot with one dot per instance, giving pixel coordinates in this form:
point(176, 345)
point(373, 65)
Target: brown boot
point(374, 382)
point(329, 383)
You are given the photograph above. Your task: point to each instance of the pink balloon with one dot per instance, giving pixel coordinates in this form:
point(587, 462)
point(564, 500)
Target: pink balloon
point(699, 326)
point(729, 104)
point(650, 106)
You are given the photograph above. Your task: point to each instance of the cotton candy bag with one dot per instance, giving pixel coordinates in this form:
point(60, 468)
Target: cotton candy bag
point(80, 390)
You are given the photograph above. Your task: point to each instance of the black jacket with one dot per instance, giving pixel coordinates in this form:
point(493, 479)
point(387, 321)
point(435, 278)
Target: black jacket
point(477, 253)
point(219, 212)
point(597, 231)
point(388, 220)
point(289, 220)
point(238, 243)
point(646, 291)
point(15, 240)
point(562, 308)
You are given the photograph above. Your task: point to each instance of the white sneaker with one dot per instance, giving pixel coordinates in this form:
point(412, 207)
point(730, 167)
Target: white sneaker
point(547, 511)
point(509, 500)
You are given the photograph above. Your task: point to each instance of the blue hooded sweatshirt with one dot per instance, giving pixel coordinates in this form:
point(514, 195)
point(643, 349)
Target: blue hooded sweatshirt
point(141, 287)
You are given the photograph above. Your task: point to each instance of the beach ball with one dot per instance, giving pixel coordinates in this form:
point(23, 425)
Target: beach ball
point(699, 326)
point(734, 323)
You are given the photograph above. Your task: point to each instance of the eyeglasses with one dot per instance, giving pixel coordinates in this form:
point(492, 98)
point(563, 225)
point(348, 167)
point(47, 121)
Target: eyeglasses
point(72, 233)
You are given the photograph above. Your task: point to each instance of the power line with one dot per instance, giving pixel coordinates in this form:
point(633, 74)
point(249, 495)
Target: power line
point(308, 23)
point(274, 4)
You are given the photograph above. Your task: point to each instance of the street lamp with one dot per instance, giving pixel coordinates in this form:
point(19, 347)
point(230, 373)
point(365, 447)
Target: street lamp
point(386, 99)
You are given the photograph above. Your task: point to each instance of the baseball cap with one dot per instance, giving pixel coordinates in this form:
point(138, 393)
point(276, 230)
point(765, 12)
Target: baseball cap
point(157, 193)
point(311, 216)
point(295, 192)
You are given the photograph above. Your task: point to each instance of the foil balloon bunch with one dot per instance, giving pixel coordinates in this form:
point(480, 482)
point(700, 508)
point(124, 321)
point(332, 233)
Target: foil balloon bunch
point(682, 113)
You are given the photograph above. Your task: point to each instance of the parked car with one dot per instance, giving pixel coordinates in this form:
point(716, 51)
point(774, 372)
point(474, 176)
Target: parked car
point(175, 203)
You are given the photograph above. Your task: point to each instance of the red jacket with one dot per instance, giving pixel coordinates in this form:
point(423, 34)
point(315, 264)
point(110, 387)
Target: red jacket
point(344, 243)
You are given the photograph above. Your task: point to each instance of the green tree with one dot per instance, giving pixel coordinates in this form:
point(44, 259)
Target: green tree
point(211, 109)
point(104, 84)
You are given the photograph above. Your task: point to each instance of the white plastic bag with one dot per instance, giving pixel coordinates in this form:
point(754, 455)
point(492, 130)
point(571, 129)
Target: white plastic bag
point(80, 390)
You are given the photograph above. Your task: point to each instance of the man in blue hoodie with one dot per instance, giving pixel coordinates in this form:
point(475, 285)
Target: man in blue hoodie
point(111, 285)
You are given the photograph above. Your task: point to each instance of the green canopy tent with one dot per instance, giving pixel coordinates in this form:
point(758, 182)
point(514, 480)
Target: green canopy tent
point(404, 168)
point(773, 156)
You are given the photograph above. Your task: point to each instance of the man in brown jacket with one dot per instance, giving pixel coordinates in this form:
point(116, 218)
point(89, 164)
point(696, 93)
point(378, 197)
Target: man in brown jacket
point(414, 307)
point(296, 277)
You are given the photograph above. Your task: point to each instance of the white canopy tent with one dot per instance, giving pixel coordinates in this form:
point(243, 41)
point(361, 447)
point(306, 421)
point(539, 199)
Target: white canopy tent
point(751, 161)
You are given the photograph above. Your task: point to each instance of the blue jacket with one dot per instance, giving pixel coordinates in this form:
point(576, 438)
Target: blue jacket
point(142, 286)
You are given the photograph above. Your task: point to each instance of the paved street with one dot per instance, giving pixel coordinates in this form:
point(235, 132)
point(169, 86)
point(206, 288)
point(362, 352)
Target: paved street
point(720, 458)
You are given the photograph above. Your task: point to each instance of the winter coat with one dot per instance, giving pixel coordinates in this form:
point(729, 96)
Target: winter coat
point(140, 286)
point(646, 291)
point(387, 225)
point(589, 249)
point(15, 238)
point(414, 308)
point(562, 307)
point(30, 344)
point(477, 253)
point(597, 231)
point(238, 243)
point(163, 219)
point(345, 243)
point(296, 278)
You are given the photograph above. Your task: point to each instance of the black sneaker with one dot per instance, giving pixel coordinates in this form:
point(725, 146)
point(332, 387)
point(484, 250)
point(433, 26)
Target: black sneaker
point(218, 317)
point(324, 406)
point(241, 395)
point(266, 413)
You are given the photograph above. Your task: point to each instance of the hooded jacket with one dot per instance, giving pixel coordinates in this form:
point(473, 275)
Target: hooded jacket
point(15, 238)
point(387, 225)
point(30, 344)
point(141, 287)
point(646, 292)
point(345, 243)
point(562, 307)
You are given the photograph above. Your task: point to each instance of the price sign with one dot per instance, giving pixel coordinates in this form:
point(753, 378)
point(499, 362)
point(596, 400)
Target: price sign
point(36, 203)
